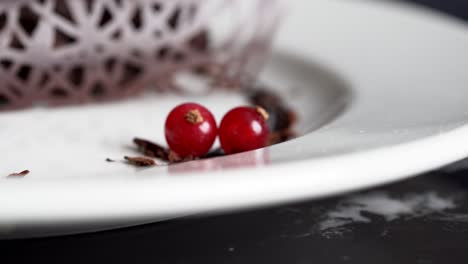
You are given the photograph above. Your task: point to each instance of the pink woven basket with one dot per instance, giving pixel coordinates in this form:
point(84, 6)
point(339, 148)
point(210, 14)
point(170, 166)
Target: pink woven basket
point(74, 51)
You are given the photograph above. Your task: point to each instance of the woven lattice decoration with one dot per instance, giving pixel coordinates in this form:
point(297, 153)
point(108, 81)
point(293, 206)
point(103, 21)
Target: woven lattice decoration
point(72, 51)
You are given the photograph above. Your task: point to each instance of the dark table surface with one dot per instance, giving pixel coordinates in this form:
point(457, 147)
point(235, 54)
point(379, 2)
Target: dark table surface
point(423, 220)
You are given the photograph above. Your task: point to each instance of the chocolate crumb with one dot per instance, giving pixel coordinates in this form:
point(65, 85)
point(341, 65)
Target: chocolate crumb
point(262, 112)
point(140, 161)
point(110, 160)
point(154, 150)
point(151, 149)
point(19, 174)
point(194, 116)
point(281, 117)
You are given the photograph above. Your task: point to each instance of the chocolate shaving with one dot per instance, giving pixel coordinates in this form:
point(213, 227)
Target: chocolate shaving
point(281, 118)
point(19, 174)
point(151, 149)
point(154, 150)
point(264, 98)
point(140, 161)
point(110, 160)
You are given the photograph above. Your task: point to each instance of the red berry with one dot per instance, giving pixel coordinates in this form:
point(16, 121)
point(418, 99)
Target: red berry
point(190, 130)
point(244, 129)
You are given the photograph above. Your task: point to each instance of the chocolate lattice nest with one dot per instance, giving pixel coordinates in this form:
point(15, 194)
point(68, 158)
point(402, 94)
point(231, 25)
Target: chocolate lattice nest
point(74, 51)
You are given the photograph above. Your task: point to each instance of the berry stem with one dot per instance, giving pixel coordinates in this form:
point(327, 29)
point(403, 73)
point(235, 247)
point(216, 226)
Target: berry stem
point(194, 117)
point(262, 112)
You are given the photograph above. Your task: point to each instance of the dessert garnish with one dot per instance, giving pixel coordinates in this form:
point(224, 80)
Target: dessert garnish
point(243, 129)
point(190, 130)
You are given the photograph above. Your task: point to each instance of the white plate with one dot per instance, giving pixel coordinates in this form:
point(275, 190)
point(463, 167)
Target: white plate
point(382, 93)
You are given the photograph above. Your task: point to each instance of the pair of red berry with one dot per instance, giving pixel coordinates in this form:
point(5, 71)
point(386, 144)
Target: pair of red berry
point(191, 130)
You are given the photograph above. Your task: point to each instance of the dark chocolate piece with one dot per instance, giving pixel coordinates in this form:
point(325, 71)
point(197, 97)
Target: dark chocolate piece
point(282, 136)
point(19, 174)
point(281, 118)
point(140, 161)
point(151, 149)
